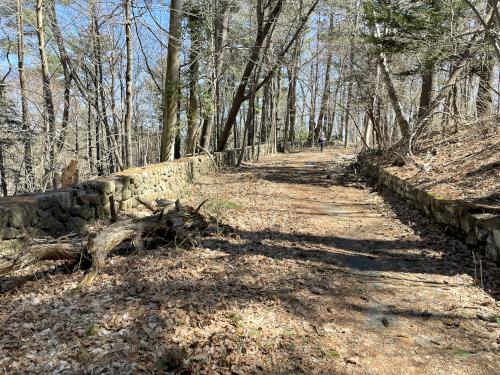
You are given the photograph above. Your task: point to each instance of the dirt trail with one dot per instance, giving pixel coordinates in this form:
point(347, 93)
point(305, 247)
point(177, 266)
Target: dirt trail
point(311, 273)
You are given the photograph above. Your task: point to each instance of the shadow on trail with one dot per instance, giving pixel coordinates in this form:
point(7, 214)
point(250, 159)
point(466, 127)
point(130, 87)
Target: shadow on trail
point(457, 257)
point(324, 173)
point(154, 308)
point(452, 255)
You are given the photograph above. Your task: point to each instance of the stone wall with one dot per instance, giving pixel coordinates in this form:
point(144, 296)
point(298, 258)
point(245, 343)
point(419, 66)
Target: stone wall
point(476, 225)
point(68, 210)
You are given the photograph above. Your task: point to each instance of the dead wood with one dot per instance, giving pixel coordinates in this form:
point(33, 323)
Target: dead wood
point(147, 204)
point(180, 225)
point(19, 254)
point(115, 234)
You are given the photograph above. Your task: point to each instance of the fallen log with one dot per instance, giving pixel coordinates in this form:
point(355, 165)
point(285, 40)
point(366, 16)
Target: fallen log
point(180, 226)
point(115, 234)
point(19, 254)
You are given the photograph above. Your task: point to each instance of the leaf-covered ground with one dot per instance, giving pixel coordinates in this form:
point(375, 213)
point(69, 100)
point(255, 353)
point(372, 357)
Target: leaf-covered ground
point(310, 273)
point(458, 165)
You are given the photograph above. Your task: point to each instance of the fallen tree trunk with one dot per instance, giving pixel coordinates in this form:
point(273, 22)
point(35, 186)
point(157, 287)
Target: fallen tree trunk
point(18, 254)
point(179, 225)
point(114, 235)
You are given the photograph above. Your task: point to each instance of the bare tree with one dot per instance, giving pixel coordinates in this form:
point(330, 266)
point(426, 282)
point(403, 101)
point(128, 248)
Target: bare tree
point(171, 88)
point(28, 163)
point(128, 84)
point(47, 93)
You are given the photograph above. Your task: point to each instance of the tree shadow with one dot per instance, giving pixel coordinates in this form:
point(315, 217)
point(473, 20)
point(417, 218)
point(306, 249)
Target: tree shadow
point(457, 257)
point(318, 173)
point(491, 199)
point(139, 317)
point(145, 315)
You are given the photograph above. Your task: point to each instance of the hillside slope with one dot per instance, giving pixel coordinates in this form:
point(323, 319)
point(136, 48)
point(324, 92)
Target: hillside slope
point(463, 165)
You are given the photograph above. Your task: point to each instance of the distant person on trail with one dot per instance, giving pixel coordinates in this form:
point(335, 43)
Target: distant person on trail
point(322, 139)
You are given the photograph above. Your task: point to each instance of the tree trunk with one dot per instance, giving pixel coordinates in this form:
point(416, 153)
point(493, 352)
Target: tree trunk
point(484, 98)
point(3, 175)
point(314, 79)
point(331, 118)
point(47, 91)
point(239, 97)
point(248, 121)
point(192, 131)
point(68, 75)
point(276, 119)
point(325, 97)
point(221, 23)
point(402, 122)
point(116, 130)
point(291, 111)
point(171, 89)
point(288, 107)
point(128, 85)
point(18, 254)
point(366, 131)
point(347, 113)
point(94, 27)
point(264, 119)
point(28, 163)
point(90, 156)
point(177, 142)
point(428, 86)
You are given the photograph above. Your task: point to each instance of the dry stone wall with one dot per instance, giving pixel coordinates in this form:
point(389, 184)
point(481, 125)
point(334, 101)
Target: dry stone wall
point(476, 225)
point(68, 210)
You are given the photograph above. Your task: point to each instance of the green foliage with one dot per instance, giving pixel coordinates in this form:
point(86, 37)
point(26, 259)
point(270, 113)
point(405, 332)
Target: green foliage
point(173, 89)
point(254, 332)
point(460, 353)
point(415, 27)
point(288, 333)
point(91, 330)
point(207, 103)
point(236, 320)
point(218, 206)
point(332, 354)
point(199, 22)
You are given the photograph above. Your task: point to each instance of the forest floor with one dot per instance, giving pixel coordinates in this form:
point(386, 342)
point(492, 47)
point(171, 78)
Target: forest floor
point(312, 272)
point(455, 165)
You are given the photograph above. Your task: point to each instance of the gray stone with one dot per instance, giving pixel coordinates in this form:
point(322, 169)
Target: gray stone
point(126, 194)
point(68, 210)
point(18, 217)
point(496, 236)
point(87, 213)
point(478, 229)
point(11, 233)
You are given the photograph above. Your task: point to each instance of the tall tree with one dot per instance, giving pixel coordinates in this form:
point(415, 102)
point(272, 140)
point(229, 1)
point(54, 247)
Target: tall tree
point(263, 29)
point(28, 164)
point(221, 23)
point(47, 92)
point(293, 76)
point(171, 87)
point(128, 84)
point(194, 26)
point(68, 75)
